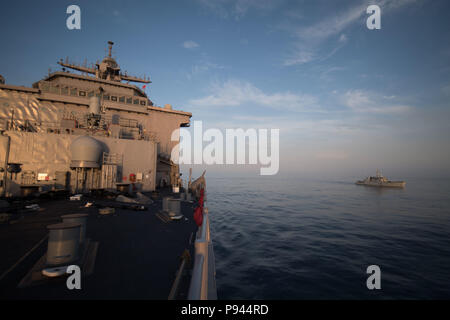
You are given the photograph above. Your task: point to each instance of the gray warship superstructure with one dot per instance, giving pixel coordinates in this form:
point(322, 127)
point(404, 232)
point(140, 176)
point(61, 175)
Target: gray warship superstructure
point(42, 125)
point(380, 181)
point(87, 145)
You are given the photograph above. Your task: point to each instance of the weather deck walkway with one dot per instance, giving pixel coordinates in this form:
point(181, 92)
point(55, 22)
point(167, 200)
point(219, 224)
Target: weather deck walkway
point(137, 258)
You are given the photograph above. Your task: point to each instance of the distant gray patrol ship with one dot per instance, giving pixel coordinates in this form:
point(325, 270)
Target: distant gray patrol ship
point(380, 181)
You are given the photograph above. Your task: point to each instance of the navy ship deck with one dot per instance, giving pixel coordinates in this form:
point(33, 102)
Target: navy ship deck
point(137, 258)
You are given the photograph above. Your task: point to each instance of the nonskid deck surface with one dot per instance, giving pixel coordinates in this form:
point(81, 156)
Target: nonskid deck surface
point(137, 258)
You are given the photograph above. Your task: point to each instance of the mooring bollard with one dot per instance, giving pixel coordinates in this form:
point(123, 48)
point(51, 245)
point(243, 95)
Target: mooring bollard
point(175, 206)
point(166, 204)
point(63, 243)
point(79, 218)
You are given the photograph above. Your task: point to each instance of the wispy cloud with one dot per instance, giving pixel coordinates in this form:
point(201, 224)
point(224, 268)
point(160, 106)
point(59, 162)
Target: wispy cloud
point(343, 38)
point(237, 93)
point(303, 127)
point(189, 44)
point(302, 55)
point(237, 9)
point(331, 26)
point(366, 102)
point(327, 74)
point(202, 67)
point(310, 39)
point(233, 93)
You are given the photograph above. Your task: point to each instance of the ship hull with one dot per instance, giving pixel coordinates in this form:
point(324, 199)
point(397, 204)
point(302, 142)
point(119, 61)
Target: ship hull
point(390, 184)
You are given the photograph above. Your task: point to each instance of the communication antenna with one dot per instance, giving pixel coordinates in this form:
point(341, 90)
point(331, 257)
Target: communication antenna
point(110, 44)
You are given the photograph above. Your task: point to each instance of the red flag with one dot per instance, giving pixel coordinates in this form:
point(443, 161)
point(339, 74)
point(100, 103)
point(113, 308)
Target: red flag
point(198, 216)
point(200, 201)
point(144, 86)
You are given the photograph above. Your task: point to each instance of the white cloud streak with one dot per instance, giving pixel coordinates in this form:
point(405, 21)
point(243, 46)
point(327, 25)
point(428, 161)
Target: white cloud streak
point(237, 9)
point(235, 93)
point(365, 102)
point(307, 47)
point(203, 67)
point(189, 44)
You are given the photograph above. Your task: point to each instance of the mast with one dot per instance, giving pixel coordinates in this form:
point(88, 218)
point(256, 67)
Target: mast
point(108, 69)
point(110, 44)
point(379, 175)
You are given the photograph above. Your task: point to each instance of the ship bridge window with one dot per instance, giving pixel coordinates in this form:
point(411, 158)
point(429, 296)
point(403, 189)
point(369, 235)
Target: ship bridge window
point(129, 100)
point(122, 99)
point(64, 90)
point(82, 93)
point(115, 119)
point(136, 101)
point(113, 98)
point(73, 92)
point(106, 97)
point(54, 89)
point(45, 87)
point(91, 94)
point(98, 95)
point(142, 102)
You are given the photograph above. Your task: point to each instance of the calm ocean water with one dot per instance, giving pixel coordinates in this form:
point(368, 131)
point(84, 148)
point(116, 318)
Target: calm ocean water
point(313, 239)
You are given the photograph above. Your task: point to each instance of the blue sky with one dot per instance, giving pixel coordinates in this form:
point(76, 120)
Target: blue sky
point(346, 99)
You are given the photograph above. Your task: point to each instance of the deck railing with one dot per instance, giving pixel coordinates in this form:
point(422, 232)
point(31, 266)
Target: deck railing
point(203, 280)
